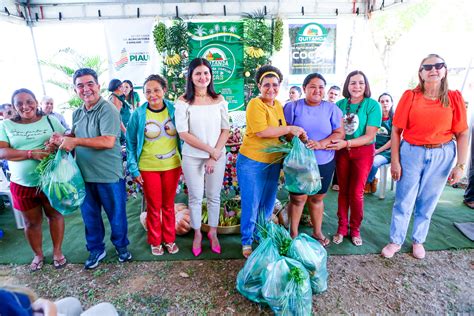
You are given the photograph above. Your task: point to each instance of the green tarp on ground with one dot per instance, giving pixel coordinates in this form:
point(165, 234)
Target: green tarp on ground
point(375, 228)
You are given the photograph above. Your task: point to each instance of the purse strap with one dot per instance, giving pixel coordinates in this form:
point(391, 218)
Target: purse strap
point(50, 124)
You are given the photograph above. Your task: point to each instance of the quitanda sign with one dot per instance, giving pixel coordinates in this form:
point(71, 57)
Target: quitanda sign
point(312, 47)
point(312, 33)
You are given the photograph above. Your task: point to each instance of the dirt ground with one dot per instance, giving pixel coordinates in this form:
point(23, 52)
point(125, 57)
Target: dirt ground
point(442, 283)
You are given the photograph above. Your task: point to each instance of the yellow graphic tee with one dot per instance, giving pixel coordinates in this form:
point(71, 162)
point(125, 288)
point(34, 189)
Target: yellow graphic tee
point(160, 149)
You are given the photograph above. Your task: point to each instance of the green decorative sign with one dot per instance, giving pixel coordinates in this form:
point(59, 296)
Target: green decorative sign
point(221, 44)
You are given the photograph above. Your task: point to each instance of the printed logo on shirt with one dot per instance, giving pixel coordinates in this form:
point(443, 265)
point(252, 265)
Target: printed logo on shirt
point(382, 131)
point(351, 123)
point(154, 129)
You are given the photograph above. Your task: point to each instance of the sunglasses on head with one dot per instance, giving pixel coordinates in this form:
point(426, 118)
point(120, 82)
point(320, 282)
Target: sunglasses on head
point(437, 66)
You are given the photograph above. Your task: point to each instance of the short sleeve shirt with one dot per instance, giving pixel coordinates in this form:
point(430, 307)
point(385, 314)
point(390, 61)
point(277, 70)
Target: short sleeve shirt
point(27, 137)
point(160, 146)
point(319, 121)
point(356, 121)
point(99, 165)
point(260, 116)
point(426, 121)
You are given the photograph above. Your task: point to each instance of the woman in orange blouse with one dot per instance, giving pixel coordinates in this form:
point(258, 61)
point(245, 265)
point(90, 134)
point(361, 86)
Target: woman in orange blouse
point(429, 118)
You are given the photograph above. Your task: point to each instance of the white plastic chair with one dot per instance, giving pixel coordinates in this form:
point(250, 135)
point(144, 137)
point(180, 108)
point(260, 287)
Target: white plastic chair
point(383, 181)
point(237, 118)
point(5, 190)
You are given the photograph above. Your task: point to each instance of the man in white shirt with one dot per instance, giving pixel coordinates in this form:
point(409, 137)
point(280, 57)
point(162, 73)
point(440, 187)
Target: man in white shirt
point(47, 106)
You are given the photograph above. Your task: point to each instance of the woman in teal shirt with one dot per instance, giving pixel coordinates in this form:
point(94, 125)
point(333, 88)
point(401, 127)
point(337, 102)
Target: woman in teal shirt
point(355, 154)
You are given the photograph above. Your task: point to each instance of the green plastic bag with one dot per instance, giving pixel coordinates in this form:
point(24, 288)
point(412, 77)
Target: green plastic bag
point(313, 256)
point(249, 280)
point(286, 288)
point(301, 169)
point(63, 184)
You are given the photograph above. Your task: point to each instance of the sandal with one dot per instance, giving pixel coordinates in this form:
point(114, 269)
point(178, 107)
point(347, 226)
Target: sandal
point(157, 250)
point(323, 241)
point(172, 248)
point(59, 263)
point(356, 240)
point(246, 251)
point(36, 264)
point(337, 239)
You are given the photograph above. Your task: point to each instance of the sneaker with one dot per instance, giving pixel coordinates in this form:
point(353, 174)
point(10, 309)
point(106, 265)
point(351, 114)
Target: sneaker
point(124, 255)
point(390, 250)
point(94, 258)
point(418, 251)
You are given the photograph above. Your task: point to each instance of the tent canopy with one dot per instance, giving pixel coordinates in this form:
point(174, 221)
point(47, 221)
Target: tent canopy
point(38, 11)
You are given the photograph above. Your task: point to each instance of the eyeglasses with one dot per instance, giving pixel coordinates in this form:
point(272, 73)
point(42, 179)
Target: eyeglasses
point(437, 66)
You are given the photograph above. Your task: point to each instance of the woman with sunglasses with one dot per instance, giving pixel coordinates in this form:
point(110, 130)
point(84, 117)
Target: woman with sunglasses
point(382, 142)
point(429, 117)
point(258, 171)
point(202, 122)
point(355, 154)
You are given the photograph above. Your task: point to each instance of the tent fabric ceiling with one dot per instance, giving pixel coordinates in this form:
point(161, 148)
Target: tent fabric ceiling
point(37, 11)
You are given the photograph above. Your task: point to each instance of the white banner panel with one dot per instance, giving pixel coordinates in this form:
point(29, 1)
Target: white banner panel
point(129, 47)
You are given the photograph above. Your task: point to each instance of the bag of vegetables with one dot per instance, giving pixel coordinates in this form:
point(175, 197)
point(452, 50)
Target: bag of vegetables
point(62, 182)
point(301, 169)
point(249, 280)
point(286, 287)
point(313, 256)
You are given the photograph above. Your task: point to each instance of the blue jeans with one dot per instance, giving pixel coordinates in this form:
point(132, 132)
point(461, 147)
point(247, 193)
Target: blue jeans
point(424, 175)
point(112, 198)
point(379, 161)
point(258, 183)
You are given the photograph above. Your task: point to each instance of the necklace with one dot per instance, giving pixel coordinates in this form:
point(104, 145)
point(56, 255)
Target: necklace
point(349, 118)
point(201, 95)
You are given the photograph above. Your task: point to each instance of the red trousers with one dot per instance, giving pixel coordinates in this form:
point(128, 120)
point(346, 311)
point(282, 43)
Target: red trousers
point(353, 167)
point(159, 189)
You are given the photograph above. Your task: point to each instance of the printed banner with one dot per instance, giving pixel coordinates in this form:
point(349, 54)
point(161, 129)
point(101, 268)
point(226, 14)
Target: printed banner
point(221, 44)
point(313, 48)
point(128, 49)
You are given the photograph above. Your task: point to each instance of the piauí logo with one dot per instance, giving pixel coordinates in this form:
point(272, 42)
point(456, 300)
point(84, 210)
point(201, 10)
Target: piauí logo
point(311, 33)
point(122, 61)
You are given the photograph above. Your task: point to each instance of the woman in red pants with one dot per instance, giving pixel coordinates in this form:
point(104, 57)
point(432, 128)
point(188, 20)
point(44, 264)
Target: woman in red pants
point(355, 154)
point(154, 161)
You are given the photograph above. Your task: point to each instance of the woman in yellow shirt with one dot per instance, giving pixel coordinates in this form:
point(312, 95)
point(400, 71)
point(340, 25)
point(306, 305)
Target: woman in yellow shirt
point(256, 172)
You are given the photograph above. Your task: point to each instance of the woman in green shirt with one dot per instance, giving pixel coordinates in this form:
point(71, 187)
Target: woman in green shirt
point(355, 154)
point(22, 143)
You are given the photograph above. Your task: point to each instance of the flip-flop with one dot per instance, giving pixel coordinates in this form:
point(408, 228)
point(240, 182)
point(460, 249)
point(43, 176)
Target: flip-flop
point(356, 240)
point(60, 263)
point(323, 241)
point(36, 265)
point(246, 251)
point(337, 239)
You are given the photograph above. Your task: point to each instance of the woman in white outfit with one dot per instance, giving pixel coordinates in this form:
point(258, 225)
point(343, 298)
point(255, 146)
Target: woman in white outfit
point(203, 124)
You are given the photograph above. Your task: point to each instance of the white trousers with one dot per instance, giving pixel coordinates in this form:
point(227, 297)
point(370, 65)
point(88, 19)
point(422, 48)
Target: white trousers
point(197, 180)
